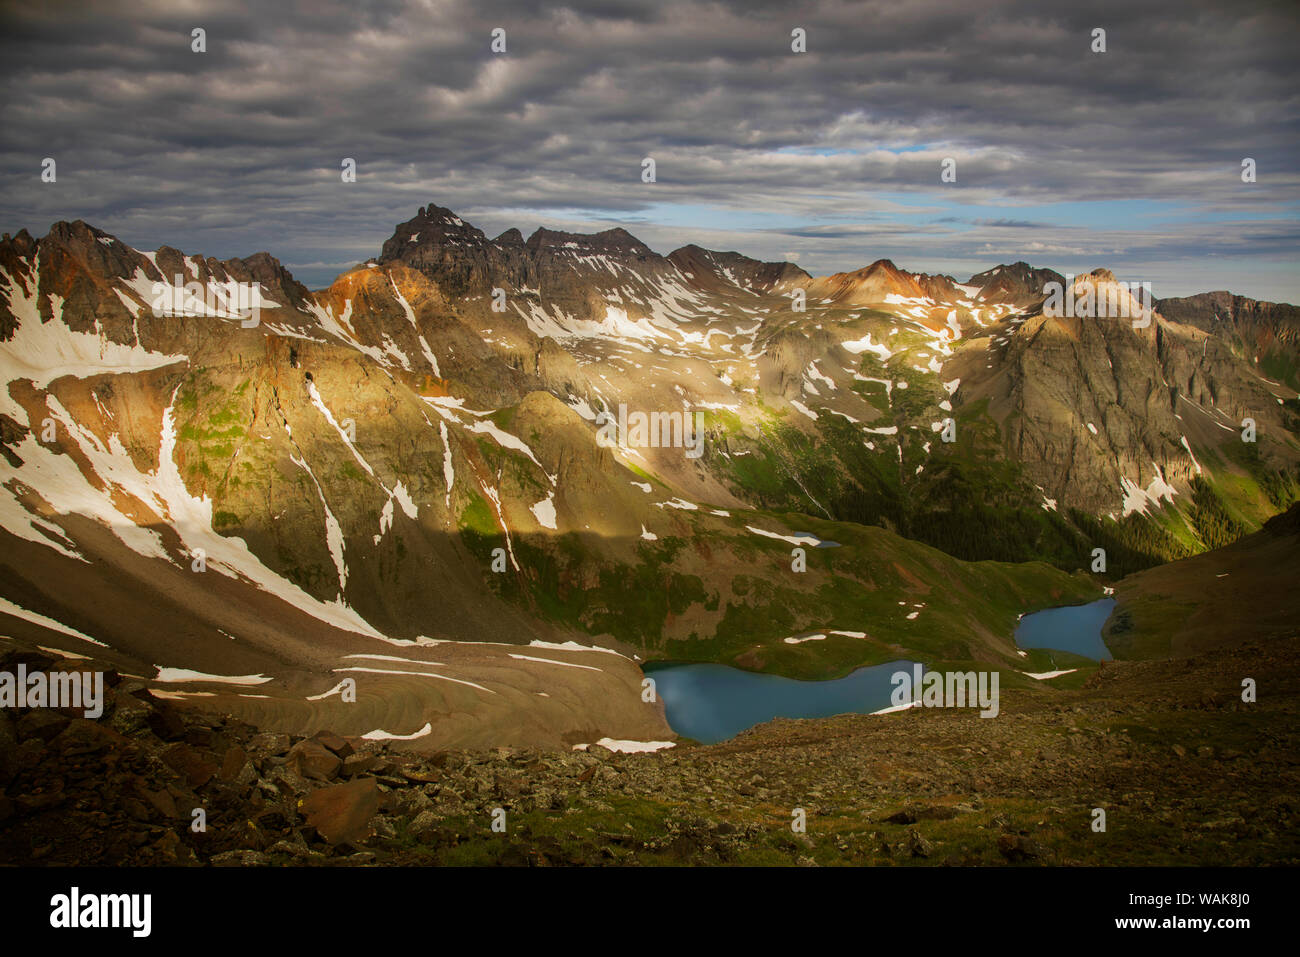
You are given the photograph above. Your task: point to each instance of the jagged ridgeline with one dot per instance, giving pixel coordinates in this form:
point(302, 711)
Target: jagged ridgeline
point(412, 453)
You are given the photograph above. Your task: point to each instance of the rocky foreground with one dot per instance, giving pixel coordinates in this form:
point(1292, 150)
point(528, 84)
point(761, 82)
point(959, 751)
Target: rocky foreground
point(1185, 771)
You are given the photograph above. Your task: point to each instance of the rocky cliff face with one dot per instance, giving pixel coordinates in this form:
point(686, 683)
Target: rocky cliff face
point(1085, 399)
point(724, 272)
point(1266, 333)
point(1019, 283)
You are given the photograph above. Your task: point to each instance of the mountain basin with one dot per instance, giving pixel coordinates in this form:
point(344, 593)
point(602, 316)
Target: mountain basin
point(1074, 628)
point(712, 702)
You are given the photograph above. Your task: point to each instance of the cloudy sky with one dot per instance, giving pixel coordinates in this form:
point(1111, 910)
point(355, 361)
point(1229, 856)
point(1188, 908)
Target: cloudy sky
point(1129, 159)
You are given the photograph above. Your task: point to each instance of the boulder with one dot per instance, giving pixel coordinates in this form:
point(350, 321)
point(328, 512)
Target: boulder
point(81, 736)
point(195, 767)
point(269, 742)
point(355, 764)
point(336, 743)
point(41, 723)
point(1016, 847)
point(341, 813)
point(311, 759)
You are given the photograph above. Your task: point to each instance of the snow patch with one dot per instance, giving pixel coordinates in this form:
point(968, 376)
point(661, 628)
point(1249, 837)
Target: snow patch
point(798, 641)
point(174, 675)
point(544, 512)
point(633, 747)
point(379, 734)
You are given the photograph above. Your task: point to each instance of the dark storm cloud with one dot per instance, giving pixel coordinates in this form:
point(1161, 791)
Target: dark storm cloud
point(239, 148)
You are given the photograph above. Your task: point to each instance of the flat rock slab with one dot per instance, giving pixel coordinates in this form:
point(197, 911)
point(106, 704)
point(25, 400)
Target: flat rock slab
point(341, 813)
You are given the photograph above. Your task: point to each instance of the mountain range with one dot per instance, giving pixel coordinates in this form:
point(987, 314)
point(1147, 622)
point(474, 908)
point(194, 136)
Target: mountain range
point(397, 479)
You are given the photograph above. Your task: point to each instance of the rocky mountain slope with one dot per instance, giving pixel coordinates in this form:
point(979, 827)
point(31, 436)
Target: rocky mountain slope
point(1240, 594)
point(398, 479)
point(1186, 773)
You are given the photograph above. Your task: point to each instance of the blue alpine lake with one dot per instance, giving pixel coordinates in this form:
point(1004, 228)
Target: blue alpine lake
point(711, 703)
point(1075, 628)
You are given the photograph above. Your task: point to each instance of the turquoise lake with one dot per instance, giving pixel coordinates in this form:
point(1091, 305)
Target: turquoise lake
point(711, 702)
point(1075, 628)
